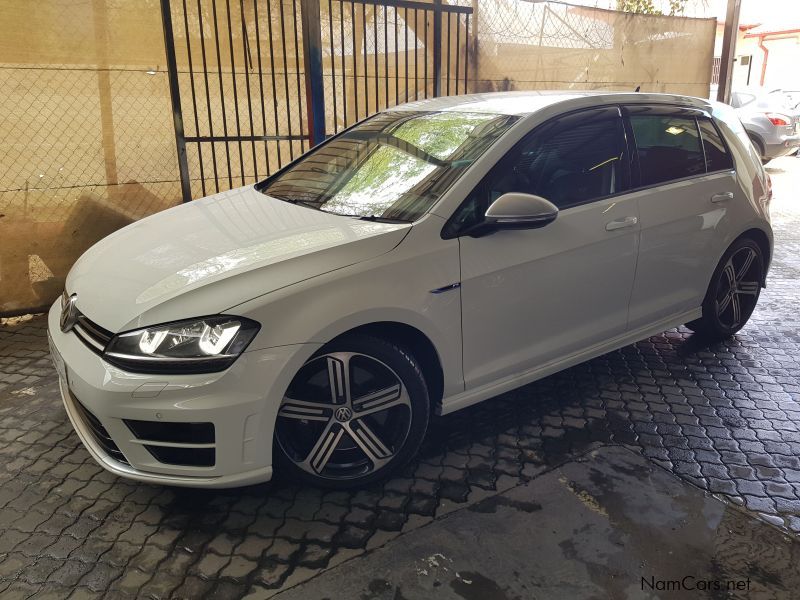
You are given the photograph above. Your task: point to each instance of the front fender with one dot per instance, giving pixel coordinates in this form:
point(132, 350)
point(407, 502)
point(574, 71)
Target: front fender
point(393, 288)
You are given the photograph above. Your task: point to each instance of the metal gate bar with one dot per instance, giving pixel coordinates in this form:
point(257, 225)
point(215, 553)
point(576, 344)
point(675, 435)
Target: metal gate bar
point(371, 66)
point(235, 133)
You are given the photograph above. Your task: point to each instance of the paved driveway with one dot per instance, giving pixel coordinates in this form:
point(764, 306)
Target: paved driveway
point(724, 419)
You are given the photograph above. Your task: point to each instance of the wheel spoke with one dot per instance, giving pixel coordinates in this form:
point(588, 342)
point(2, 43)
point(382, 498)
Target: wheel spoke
point(306, 411)
point(730, 274)
point(370, 444)
point(381, 400)
point(748, 288)
point(321, 453)
point(339, 378)
point(722, 305)
point(736, 309)
point(745, 267)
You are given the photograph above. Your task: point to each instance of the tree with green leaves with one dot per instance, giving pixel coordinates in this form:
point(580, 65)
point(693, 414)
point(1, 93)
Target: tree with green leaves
point(648, 7)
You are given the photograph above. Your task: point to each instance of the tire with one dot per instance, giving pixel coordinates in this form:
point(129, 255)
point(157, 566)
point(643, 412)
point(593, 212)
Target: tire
point(726, 311)
point(354, 413)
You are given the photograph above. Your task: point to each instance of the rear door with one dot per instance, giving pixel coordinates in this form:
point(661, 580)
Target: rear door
point(686, 185)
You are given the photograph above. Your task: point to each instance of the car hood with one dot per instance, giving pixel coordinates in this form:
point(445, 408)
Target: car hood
point(209, 255)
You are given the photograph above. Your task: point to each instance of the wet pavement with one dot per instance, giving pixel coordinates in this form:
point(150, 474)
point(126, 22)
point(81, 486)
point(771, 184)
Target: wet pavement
point(608, 524)
point(722, 420)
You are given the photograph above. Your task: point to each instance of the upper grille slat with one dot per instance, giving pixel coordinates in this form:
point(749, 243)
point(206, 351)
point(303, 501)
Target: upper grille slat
point(91, 334)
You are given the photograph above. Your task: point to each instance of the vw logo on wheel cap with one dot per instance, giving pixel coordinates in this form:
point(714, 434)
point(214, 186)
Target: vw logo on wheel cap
point(343, 414)
point(69, 313)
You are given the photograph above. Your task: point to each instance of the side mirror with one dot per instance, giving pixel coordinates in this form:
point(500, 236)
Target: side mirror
point(520, 211)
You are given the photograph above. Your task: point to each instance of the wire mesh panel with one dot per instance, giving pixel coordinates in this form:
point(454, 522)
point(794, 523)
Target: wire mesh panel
point(381, 54)
point(527, 45)
point(241, 83)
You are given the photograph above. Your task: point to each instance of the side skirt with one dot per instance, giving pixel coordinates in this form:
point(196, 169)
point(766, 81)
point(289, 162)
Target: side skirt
point(470, 397)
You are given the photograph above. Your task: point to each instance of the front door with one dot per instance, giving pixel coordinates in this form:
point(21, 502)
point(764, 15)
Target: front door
point(530, 297)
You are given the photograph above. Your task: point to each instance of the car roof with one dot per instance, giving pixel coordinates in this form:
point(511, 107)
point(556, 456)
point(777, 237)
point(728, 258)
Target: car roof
point(530, 102)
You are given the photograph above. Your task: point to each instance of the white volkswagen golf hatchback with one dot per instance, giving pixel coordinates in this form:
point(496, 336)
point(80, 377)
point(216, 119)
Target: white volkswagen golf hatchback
point(430, 257)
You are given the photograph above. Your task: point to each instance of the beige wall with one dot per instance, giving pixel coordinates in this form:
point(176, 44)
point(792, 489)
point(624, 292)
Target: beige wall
point(87, 140)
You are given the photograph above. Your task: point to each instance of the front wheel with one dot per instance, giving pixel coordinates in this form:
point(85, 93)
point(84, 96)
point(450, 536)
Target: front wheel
point(733, 292)
point(353, 414)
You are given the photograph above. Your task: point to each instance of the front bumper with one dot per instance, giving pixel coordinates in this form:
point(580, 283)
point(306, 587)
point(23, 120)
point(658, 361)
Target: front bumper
point(241, 403)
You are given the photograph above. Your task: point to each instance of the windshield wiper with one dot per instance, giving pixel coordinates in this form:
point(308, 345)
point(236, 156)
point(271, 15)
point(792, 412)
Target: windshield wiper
point(378, 219)
point(305, 203)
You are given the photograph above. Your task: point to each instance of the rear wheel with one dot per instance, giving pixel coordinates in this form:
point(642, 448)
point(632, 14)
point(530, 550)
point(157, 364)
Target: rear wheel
point(759, 148)
point(733, 292)
point(353, 414)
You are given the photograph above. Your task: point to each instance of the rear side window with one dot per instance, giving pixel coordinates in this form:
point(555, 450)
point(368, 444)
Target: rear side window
point(717, 157)
point(667, 147)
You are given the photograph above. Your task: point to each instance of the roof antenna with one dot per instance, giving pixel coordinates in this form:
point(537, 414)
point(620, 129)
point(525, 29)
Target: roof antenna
point(638, 87)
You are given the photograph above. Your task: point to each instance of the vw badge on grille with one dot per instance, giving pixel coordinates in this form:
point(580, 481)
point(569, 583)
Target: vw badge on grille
point(69, 313)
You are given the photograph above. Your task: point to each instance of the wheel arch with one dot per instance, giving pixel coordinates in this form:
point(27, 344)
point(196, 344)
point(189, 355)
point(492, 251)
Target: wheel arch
point(420, 346)
point(758, 141)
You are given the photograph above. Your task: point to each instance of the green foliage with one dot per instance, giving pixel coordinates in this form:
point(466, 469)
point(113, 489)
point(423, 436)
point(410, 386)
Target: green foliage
point(648, 7)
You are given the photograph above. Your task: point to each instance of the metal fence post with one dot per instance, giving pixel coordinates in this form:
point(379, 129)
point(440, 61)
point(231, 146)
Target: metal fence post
point(175, 97)
point(437, 48)
point(728, 50)
point(312, 62)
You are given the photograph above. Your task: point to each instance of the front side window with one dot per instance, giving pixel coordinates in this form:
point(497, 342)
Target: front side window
point(393, 166)
point(667, 147)
point(569, 161)
point(717, 157)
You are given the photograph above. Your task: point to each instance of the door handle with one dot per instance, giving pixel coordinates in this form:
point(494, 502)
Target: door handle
point(621, 223)
point(724, 197)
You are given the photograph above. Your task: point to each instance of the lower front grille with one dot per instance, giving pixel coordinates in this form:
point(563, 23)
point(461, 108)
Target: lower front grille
point(99, 433)
point(182, 444)
point(185, 457)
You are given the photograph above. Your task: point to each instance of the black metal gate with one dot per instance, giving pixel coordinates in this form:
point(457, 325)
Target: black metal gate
point(255, 83)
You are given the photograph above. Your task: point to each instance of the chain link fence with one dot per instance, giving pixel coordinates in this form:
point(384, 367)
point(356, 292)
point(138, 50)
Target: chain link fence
point(88, 143)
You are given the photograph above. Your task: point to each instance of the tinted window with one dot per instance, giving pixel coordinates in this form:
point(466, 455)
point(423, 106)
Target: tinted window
point(395, 165)
point(569, 161)
point(668, 148)
point(717, 157)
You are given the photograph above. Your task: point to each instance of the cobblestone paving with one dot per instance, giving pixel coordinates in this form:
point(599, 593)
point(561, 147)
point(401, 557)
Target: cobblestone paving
point(725, 418)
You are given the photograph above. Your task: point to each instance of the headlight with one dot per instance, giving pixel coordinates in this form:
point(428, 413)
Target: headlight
point(202, 345)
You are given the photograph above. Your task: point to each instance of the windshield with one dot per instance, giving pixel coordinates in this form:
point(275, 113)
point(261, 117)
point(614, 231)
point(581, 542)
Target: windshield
point(394, 166)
